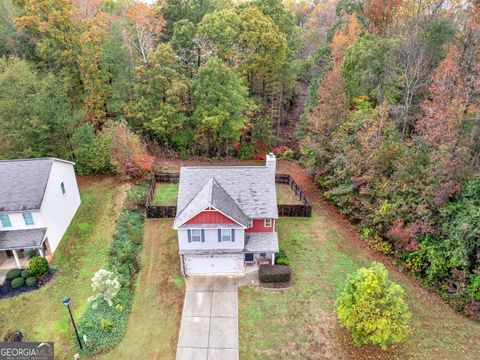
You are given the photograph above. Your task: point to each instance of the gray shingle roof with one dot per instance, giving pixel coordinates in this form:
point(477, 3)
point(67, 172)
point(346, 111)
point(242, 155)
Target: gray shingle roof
point(251, 187)
point(21, 239)
point(212, 194)
point(261, 242)
point(23, 183)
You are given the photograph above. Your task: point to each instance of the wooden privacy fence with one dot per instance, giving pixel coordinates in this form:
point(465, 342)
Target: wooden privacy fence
point(298, 210)
point(303, 210)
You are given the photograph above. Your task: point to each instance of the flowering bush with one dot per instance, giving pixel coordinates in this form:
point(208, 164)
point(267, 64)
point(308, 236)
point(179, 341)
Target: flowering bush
point(105, 286)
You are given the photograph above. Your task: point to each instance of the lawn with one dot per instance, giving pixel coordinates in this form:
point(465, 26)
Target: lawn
point(165, 194)
point(82, 251)
point(301, 324)
point(286, 196)
point(157, 307)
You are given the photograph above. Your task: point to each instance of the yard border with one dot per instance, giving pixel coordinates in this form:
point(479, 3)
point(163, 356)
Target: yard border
point(170, 211)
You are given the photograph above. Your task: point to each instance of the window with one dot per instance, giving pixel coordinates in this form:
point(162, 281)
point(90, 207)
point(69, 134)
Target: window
point(28, 218)
point(226, 235)
point(248, 257)
point(263, 254)
point(268, 222)
point(5, 219)
point(196, 235)
point(62, 186)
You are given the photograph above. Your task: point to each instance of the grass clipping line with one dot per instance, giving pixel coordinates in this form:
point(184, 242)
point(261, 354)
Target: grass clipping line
point(104, 326)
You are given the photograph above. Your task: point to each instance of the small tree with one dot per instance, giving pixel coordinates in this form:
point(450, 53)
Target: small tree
point(105, 286)
point(372, 308)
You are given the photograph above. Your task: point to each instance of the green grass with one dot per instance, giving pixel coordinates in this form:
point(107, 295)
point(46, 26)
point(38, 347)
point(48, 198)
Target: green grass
point(300, 323)
point(157, 306)
point(82, 251)
point(165, 194)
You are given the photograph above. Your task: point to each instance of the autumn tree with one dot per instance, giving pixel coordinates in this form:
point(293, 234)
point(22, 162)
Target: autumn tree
point(159, 99)
point(221, 105)
point(143, 30)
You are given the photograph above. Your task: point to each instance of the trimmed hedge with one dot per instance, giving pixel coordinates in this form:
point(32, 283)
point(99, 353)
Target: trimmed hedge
point(106, 325)
point(13, 274)
point(274, 273)
point(18, 282)
point(26, 274)
point(31, 281)
point(37, 266)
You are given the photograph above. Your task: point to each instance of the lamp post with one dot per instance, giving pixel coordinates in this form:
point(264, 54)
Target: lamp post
point(66, 302)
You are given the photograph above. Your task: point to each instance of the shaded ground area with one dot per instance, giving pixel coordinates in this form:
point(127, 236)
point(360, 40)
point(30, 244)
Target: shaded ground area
point(157, 307)
point(285, 195)
point(165, 194)
point(83, 251)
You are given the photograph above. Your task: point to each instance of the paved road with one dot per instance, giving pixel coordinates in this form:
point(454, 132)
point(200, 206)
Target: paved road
point(209, 327)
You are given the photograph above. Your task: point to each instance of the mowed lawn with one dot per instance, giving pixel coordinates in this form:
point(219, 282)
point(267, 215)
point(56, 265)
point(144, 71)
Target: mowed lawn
point(165, 194)
point(300, 323)
point(82, 251)
point(157, 307)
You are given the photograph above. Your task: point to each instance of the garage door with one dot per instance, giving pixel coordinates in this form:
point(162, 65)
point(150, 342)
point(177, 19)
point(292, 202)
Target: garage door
point(218, 264)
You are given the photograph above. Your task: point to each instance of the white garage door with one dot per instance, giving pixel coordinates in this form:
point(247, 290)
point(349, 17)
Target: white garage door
point(217, 264)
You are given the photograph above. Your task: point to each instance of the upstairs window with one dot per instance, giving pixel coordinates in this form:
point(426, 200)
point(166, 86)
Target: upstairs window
point(196, 235)
point(62, 186)
point(28, 218)
point(5, 220)
point(226, 235)
point(268, 222)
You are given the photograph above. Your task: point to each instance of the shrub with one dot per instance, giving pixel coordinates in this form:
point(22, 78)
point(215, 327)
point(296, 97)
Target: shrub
point(31, 281)
point(372, 308)
point(38, 266)
point(12, 274)
point(26, 274)
point(281, 258)
point(274, 273)
point(474, 287)
point(105, 286)
point(18, 282)
point(14, 336)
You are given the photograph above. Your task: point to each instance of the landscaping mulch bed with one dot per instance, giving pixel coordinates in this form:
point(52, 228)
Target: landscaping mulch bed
point(7, 291)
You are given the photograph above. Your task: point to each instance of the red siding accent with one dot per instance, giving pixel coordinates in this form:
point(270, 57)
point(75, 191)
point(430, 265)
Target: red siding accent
point(259, 226)
point(210, 217)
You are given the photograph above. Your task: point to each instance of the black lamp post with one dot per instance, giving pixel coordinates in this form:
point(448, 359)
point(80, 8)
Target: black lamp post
point(66, 302)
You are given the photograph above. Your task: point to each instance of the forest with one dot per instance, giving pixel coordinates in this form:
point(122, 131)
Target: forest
point(390, 129)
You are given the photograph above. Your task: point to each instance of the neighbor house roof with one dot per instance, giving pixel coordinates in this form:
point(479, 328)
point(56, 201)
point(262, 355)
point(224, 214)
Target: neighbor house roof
point(213, 195)
point(252, 188)
point(21, 239)
point(23, 183)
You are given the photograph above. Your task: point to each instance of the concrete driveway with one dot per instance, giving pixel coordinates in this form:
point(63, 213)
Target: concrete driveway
point(209, 327)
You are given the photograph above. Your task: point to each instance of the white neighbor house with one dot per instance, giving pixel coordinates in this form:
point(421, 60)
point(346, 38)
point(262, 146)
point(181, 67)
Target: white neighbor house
point(38, 199)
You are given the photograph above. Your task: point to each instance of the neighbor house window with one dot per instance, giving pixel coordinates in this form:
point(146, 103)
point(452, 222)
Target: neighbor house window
point(5, 219)
point(268, 222)
point(226, 235)
point(62, 186)
point(196, 235)
point(28, 218)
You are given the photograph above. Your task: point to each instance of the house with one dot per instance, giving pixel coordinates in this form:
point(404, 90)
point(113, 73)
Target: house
point(226, 218)
point(38, 199)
